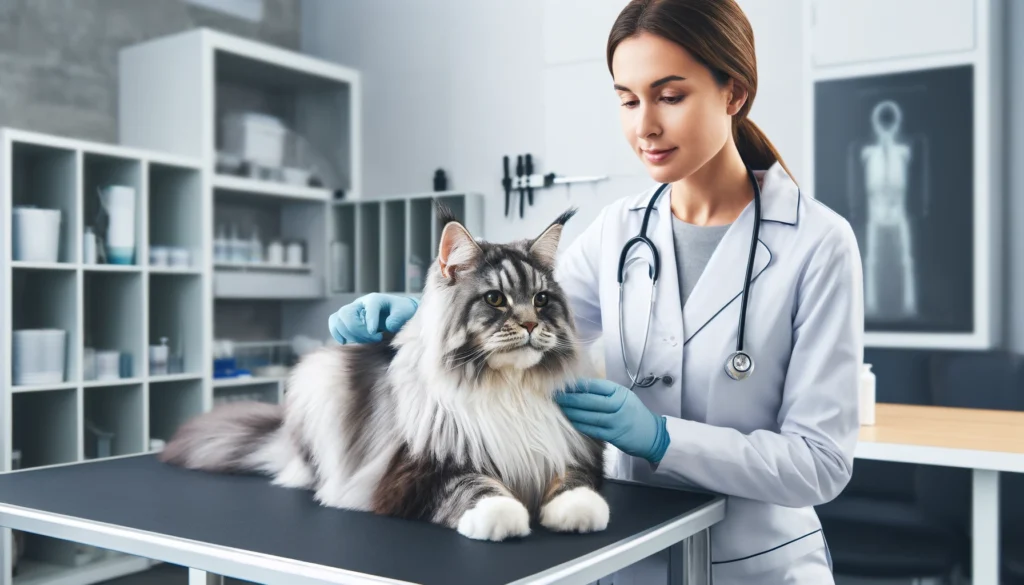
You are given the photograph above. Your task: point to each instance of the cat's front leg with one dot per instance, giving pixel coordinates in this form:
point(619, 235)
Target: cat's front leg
point(572, 503)
point(476, 505)
point(480, 507)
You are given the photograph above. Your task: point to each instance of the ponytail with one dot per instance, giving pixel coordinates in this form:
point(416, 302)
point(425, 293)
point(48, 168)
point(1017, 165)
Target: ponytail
point(757, 152)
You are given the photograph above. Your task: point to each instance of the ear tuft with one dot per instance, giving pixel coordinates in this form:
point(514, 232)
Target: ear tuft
point(544, 249)
point(445, 215)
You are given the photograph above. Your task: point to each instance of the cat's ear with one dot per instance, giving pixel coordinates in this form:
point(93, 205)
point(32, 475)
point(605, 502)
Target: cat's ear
point(457, 250)
point(545, 247)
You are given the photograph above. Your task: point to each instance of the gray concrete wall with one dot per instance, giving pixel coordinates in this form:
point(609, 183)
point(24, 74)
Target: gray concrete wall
point(58, 58)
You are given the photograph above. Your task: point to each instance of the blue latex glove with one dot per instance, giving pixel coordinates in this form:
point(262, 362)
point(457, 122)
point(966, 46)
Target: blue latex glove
point(612, 413)
point(361, 320)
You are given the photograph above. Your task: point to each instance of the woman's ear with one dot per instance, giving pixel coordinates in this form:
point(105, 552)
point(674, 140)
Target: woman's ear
point(457, 250)
point(737, 97)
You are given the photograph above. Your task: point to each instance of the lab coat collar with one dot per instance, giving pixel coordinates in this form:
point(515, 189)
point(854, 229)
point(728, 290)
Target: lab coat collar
point(780, 196)
point(721, 282)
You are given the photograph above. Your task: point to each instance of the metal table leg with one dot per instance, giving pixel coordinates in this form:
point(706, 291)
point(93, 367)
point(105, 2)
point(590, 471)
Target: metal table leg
point(690, 560)
point(985, 527)
point(197, 577)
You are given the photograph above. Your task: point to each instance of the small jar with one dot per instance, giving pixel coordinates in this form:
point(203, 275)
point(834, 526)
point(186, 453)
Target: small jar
point(294, 253)
point(275, 252)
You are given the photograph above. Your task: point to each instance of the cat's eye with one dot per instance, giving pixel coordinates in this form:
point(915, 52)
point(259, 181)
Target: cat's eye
point(494, 298)
point(540, 299)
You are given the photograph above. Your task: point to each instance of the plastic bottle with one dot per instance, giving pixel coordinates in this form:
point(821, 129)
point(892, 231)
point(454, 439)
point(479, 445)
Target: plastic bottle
point(220, 246)
point(867, 395)
point(255, 247)
point(88, 246)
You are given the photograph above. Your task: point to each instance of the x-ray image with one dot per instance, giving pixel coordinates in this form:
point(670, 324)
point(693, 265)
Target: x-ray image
point(883, 166)
point(893, 154)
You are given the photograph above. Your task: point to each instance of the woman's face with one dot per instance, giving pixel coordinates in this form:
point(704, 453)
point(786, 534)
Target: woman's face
point(674, 114)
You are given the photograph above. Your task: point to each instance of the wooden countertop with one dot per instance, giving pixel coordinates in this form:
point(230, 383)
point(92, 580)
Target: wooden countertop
point(963, 437)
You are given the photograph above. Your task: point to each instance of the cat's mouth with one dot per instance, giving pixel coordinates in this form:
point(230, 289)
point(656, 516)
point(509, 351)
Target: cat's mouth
point(521, 356)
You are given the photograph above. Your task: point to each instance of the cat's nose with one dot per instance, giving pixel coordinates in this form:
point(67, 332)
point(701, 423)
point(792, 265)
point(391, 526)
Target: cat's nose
point(529, 326)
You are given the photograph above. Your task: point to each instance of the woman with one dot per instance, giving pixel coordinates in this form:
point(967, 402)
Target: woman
point(779, 440)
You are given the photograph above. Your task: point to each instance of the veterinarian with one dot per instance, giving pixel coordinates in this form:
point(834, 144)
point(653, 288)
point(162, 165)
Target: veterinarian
point(736, 370)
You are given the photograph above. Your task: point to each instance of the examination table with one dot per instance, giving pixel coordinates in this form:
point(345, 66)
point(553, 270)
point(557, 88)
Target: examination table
point(246, 528)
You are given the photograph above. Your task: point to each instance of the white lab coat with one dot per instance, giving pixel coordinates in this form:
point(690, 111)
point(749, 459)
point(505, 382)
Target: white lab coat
point(782, 440)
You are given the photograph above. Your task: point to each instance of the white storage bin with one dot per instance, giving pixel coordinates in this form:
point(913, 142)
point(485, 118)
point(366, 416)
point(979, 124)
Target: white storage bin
point(255, 137)
point(36, 234)
point(39, 356)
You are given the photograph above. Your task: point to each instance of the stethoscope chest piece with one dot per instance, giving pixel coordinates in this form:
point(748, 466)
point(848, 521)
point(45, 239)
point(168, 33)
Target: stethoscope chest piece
point(739, 365)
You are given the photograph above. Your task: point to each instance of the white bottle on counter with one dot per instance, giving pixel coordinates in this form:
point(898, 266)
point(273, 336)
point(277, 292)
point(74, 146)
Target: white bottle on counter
point(867, 395)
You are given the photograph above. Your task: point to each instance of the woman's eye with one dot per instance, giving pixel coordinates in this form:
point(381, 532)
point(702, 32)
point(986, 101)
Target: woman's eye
point(673, 99)
point(494, 298)
point(540, 299)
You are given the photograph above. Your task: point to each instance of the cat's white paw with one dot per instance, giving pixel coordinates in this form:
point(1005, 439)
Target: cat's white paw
point(495, 518)
point(577, 510)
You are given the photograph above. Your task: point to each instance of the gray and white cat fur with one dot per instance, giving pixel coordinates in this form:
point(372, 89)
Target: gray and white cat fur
point(451, 421)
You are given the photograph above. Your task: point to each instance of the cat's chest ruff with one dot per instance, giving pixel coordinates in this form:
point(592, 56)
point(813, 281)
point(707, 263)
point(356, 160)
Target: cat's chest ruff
point(519, 434)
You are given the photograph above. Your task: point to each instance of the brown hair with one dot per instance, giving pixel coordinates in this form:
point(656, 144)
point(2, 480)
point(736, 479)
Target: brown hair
point(718, 34)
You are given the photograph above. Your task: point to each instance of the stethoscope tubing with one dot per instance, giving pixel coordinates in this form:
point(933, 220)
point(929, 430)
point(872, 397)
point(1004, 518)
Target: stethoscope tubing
point(655, 271)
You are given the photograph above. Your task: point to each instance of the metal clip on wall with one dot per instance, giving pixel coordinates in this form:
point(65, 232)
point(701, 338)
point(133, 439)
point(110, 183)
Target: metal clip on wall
point(527, 180)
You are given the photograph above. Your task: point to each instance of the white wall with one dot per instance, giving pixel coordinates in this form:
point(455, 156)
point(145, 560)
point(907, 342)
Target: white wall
point(1015, 221)
point(457, 84)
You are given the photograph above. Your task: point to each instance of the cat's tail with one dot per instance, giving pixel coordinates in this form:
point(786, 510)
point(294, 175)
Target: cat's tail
point(232, 438)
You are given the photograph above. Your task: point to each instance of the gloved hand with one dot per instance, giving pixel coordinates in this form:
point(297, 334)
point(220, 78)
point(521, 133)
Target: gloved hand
point(360, 320)
point(612, 413)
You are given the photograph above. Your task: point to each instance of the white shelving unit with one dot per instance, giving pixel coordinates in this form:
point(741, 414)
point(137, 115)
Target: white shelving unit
point(388, 242)
point(175, 92)
point(174, 95)
point(106, 307)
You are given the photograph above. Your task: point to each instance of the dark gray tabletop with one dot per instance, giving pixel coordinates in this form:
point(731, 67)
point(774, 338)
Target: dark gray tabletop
point(250, 514)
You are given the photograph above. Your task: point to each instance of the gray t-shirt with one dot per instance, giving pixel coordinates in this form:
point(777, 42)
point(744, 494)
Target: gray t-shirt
point(694, 246)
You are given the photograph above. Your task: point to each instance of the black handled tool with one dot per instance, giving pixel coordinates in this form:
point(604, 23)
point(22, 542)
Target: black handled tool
point(529, 171)
point(519, 173)
point(507, 183)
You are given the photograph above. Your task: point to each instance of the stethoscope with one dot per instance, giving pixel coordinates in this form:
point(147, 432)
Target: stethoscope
point(739, 364)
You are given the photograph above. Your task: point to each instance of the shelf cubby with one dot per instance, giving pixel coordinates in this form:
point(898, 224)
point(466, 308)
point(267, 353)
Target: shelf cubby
point(256, 390)
point(421, 245)
point(269, 219)
point(46, 427)
point(171, 404)
point(175, 209)
point(48, 299)
point(175, 303)
point(114, 317)
point(47, 177)
point(104, 170)
point(368, 261)
point(314, 106)
point(343, 266)
point(393, 241)
point(113, 421)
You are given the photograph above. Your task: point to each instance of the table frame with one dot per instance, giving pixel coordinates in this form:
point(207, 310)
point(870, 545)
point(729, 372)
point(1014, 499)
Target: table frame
point(687, 537)
point(985, 468)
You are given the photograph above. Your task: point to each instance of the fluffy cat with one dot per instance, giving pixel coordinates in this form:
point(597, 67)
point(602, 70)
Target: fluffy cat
point(452, 421)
